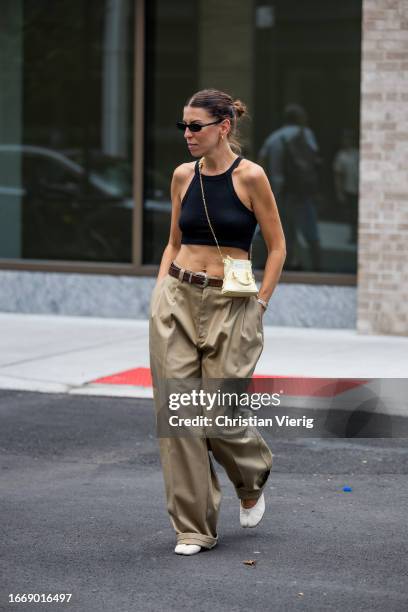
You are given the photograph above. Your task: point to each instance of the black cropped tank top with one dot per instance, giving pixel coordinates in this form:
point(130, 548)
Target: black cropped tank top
point(233, 223)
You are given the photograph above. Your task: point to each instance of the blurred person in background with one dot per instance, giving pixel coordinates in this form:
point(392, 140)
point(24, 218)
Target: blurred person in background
point(290, 156)
point(345, 168)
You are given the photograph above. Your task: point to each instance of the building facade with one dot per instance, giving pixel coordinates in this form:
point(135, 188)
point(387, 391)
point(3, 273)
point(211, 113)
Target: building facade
point(382, 304)
point(90, 94)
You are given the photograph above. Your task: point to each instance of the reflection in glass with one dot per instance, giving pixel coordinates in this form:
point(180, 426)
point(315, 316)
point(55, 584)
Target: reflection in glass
point(172, 53)
point(68, 146)
point(308, 57)
point(346, 174)
point(292, 166)
point(273, 54)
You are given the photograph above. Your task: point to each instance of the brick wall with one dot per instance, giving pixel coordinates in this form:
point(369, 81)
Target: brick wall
point(382, 299)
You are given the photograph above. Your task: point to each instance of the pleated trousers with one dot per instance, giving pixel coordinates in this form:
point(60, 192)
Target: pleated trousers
point(197, 332)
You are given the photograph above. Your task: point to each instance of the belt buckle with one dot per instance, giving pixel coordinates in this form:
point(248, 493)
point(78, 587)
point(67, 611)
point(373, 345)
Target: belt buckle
point(205, 278)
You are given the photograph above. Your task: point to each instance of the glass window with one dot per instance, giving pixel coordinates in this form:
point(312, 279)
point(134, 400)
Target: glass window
point(171, 75)
point(66, 132)
point(297, 66)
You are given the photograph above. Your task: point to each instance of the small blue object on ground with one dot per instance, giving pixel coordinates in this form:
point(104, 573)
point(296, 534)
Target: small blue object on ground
point(347, 489)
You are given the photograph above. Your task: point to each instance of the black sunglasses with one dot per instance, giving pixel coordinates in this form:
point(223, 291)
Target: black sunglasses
point(194, 127)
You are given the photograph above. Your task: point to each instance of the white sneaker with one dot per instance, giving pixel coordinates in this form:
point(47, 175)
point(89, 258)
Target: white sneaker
point(250, 517)
point(187, 549)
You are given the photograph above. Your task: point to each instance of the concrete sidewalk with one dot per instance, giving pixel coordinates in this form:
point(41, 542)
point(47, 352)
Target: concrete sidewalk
point(68, 354)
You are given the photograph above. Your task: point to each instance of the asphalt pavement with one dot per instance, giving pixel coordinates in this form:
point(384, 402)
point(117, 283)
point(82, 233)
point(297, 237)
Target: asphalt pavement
point(83, 512)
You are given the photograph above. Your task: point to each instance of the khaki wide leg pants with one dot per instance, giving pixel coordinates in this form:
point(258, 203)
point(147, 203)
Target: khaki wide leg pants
point(200, 333)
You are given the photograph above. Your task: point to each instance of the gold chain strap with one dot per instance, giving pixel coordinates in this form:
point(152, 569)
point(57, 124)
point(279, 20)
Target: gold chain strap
point(200, 165)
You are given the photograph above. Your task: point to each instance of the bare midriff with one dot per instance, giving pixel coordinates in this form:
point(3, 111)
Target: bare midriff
point(205, 258)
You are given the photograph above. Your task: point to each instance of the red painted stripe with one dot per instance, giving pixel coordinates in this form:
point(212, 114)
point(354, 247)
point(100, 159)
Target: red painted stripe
point(304, 386)
point(261, 383)
point(140, 377)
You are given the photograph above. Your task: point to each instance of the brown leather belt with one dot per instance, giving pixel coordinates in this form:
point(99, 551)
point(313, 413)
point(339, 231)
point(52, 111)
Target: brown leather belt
point(197, 278)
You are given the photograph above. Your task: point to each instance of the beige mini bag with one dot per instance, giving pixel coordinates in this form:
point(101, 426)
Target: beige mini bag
point(239, 280)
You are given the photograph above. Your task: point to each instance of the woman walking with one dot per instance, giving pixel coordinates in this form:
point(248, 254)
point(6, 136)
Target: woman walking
point(195, 330)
